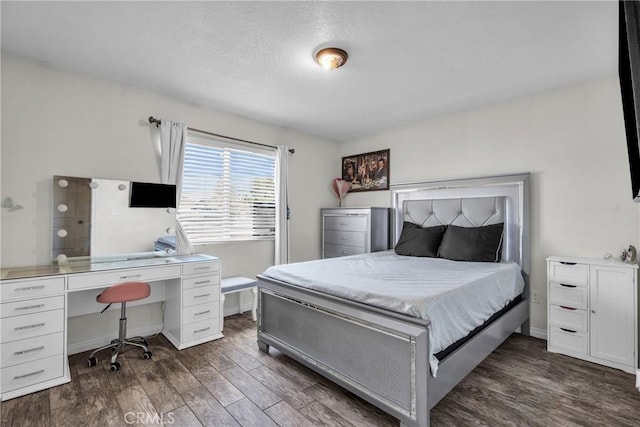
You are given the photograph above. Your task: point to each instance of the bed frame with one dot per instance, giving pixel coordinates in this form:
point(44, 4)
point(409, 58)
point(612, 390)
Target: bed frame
point(382, 356)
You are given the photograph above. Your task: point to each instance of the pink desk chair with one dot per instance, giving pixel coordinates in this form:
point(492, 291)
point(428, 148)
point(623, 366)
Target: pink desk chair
point(122, 293)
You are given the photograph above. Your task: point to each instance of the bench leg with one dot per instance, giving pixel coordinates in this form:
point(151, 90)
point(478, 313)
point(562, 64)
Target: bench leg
point(254, 305)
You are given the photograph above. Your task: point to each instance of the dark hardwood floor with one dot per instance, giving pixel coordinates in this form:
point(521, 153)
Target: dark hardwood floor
point(229, 383)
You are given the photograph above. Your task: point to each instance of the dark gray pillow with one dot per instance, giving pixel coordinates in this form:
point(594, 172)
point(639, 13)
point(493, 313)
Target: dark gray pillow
point(482, 244)
point(418, 241)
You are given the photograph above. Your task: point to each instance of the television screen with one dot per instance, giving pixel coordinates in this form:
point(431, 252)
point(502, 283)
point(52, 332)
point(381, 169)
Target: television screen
point(629, 72)
point(148, 195)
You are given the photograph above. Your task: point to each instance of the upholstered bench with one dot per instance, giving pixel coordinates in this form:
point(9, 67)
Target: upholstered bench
point(229, 285)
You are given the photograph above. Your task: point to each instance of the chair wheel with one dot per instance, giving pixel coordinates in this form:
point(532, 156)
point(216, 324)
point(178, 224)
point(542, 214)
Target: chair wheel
point(113, 349)
point(146, 355)
point(115, 366)
point(92, 362)
point(114, 341)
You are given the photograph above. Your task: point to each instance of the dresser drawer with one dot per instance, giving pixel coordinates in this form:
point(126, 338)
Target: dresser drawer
point(31, 288)
point(332, 251)
point(345, 222)
point(573, 342)
point(22, 351)
point(200, 295)
point(200, 330)
point(350, 238)
point(199, 312)
point(30, 373)
point(32, 325)
point(195, 268)
point(569, 295)
point(573, 274)
point(108, 278)
point(18, 308)
point(569, 318)
point(198, 282)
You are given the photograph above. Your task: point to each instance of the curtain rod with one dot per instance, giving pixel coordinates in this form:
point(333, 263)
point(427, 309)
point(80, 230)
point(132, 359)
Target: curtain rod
point(154, 121)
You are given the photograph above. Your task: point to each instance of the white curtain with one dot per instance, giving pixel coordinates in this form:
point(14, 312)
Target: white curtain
point(172, 140)
point(282, 206)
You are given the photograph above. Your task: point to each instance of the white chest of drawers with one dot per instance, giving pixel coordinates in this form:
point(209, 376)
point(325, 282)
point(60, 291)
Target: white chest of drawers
point(34, 306)
point(592, 310)
point(352, 231)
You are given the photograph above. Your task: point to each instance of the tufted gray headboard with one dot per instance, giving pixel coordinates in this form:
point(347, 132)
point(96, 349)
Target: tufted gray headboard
point(469, 203)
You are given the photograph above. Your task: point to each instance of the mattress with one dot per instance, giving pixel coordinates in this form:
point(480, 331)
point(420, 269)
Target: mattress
point(456, 297)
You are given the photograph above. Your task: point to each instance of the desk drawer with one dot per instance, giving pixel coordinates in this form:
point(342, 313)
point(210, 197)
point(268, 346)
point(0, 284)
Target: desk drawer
point(332, 251)
point(108, 278)
point(195, 268)
point(198, 282)
point(346, 223)
point(202, 329)
point(200, 295)
point(199, 312)
point(569, 318)
point(568, 295)
point(573, 274)
point(18, 308)
point(32, 325)
point(22, 351)
point(31, 288)
point(30, 373)
point(350, 238)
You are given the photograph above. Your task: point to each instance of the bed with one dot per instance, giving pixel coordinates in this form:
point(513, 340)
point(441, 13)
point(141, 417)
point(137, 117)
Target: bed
point(377, 341)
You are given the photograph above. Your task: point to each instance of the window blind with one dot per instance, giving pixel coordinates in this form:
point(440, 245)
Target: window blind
point(228, 191)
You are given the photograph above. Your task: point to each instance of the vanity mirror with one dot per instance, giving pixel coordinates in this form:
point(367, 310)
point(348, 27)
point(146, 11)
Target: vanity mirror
point(95, 217)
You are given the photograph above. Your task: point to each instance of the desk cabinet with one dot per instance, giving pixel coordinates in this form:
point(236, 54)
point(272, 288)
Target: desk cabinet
point(352, 231)
point(34, 310)
point(592, 310)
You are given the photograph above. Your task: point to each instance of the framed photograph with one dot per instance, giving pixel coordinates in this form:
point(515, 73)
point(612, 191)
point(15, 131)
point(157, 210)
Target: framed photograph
point(367, 172)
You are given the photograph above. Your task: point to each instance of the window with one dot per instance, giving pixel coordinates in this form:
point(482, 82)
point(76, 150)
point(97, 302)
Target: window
point(228, 191)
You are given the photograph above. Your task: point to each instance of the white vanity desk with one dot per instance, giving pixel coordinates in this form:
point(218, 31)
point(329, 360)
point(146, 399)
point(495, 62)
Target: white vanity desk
point(36, 301)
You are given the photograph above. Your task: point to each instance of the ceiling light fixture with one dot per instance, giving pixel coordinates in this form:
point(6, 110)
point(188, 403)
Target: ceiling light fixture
point(331, 58)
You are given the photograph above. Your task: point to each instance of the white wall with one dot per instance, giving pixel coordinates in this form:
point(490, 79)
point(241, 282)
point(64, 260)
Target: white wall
point(572, 141)
point(60, 122)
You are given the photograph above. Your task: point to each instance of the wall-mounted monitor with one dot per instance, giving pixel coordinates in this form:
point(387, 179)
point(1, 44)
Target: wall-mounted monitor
point(149, 195)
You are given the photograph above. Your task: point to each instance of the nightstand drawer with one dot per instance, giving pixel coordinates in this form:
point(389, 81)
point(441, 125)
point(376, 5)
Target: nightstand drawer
point(30, 373)
point(346, 223)
point(32, 325)
point(572, 296)
point(200, 295)
point(332, 251)
point(349, 238)
point(569, 340)
point(573, 274)
point(569, 318)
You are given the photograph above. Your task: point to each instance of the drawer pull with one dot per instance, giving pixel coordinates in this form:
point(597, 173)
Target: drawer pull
point(30, 307)
point(202, 282)
point(133, 276)
point(567, 263)
point(204, 267)
point(568, 286)
point(202, 296)
point(37, 325)
point(31, 350)
point(202, 330)
point(30, 288)
point(30, 374)
point(568, 330)
point(567, 308)
point(201, 313)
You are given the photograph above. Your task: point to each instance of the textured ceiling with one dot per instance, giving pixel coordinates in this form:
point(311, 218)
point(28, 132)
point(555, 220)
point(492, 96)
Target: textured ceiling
point(407, 60)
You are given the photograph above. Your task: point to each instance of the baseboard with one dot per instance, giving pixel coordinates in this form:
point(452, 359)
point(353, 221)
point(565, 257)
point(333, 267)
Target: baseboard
point(94, 343)
point(538, 333)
